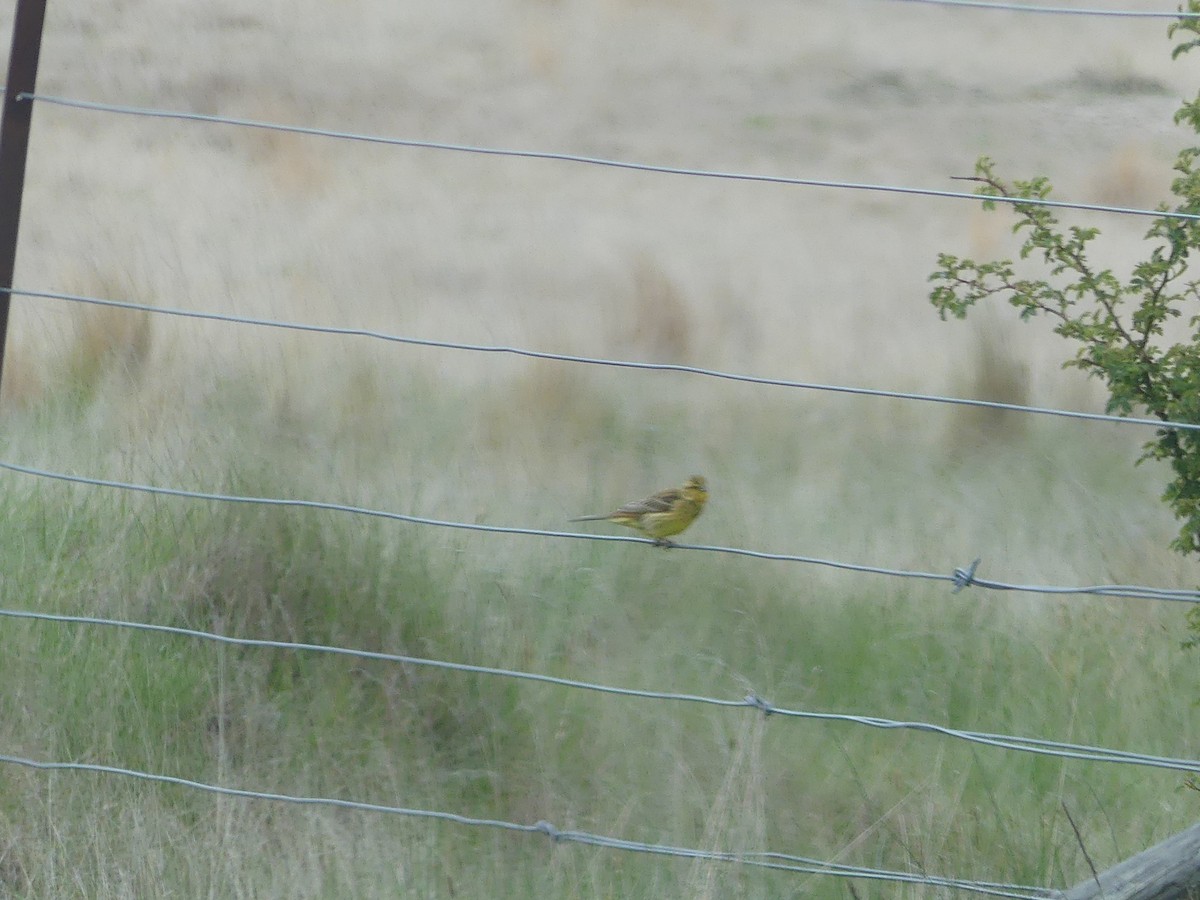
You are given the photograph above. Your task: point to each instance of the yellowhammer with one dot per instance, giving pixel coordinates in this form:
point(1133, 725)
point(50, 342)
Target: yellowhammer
point(664, 514)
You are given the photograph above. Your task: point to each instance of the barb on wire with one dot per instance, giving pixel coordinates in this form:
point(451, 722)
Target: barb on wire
point(958, 578)
point(764, 860)
point(600, 361)
point(1058, 10)
point(180, 115)
point(965, 577)
point(1040, 746)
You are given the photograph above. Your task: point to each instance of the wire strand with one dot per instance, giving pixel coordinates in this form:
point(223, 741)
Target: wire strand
point(1057, 10)
point(763, 860)
point(960, 578)
point(151, 112)
point(1037, 746)
point(601, 361)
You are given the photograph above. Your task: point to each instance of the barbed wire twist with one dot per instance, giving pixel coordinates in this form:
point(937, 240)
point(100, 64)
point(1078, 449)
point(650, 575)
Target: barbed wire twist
point(1037, 746)
point(782, 862)
point(959, 578)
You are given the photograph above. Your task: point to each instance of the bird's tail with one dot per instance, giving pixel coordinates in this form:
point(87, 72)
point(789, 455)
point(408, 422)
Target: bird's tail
point(599, 518)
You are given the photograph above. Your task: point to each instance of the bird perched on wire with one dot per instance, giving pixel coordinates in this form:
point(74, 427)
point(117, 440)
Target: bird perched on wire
point(660, 515)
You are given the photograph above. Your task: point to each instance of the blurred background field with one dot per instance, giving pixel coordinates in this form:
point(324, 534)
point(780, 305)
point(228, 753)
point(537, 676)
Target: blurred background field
point(798, 283)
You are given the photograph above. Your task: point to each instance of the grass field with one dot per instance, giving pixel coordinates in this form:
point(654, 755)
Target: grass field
point(1089, 670)
point(807, 285)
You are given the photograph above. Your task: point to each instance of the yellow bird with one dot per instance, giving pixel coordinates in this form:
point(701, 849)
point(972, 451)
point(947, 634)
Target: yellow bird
point(662, 515)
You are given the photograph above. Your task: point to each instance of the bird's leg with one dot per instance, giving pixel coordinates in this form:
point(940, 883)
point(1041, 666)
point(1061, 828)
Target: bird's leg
point(664, 543)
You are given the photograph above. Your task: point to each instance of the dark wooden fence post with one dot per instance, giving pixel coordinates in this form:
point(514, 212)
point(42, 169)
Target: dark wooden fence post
point(15, 122)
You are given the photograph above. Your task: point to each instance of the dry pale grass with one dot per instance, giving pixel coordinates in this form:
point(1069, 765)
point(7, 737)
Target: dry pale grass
point(796, 282)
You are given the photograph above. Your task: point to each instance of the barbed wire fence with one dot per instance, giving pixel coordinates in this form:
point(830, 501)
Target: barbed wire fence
point(21, 98)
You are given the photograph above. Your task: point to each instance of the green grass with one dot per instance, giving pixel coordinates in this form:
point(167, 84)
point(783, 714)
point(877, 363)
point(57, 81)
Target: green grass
point(1040, 508)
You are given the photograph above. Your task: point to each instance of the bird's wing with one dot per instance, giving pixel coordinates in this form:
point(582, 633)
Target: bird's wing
point(663, 501)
